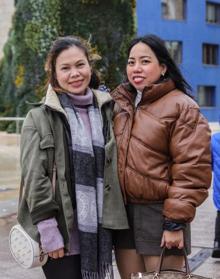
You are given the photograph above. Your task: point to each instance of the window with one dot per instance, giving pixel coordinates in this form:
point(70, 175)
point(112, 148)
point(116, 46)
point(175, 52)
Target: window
point(212, 12)
point(206, 96)
point(175, 50)
point(210, 54)
point(173, 9)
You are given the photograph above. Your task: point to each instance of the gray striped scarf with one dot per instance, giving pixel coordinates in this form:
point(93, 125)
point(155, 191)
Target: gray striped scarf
point(88, 158)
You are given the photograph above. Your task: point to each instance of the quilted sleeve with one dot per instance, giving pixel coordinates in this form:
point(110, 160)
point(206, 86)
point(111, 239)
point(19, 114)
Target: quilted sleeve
point(191, 166)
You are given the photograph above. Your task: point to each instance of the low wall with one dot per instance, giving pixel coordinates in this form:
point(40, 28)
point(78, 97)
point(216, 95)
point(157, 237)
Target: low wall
point(9, 139)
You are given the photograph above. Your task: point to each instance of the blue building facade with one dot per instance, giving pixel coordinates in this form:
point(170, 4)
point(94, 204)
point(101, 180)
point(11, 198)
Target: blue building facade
point(195, 26)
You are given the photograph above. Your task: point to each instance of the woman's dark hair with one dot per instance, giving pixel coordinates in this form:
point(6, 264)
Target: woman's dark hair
point(59, 45)
point(158, 47)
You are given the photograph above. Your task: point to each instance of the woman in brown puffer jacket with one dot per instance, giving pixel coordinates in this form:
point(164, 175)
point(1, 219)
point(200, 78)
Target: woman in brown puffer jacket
point(164, 161)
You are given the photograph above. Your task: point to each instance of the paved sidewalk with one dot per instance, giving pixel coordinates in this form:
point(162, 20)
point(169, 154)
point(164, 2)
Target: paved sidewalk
point(202, 240)
point(202, 226)
point(9, 173)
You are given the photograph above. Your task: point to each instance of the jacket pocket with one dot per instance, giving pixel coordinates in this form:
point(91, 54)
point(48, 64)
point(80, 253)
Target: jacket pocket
point(47, 146)
point(134, 183)
point(47, 142)
point(143, 187)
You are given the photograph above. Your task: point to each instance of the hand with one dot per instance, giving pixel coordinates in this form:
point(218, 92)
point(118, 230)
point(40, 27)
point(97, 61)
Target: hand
point(172, 239)
point(57, 253)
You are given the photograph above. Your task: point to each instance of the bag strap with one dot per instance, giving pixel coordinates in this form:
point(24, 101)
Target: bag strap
point(43, 131)
point(158, 269)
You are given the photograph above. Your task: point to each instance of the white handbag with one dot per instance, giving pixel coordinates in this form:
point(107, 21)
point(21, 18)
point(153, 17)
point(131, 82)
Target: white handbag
point(26, 251)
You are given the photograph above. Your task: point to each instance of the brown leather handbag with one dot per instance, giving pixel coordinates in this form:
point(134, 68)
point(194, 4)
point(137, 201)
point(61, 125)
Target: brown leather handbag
point(168, 274)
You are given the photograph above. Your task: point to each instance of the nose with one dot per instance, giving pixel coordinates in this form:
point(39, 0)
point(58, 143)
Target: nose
point(137, 67)
point(74, 72)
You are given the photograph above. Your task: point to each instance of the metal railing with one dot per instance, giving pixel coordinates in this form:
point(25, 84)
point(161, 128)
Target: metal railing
point(16, 119)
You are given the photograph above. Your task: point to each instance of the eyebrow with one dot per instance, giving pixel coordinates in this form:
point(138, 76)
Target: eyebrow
point(66, 64)
point(144, 56)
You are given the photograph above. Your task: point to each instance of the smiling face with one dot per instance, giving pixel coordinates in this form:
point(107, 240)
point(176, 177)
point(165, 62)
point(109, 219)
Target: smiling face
point(143, 68)
point(73, 72)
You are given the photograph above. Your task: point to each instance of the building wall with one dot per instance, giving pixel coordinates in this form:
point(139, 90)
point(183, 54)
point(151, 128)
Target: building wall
point(6, 12)
point(193, 31)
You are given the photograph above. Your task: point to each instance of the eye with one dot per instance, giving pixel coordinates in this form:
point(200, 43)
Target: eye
point(145, 61)
point(64, 68)
point(81, 64)
point(130, 62)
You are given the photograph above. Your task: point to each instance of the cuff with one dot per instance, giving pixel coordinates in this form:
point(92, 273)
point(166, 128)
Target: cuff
point(169, 225)
point(44, 212)
point(50, 236)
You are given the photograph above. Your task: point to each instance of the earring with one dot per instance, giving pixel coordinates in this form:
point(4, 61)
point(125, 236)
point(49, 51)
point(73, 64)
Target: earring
point(162, 74)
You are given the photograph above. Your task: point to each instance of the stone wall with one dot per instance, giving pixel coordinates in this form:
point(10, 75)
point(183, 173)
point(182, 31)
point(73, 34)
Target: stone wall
point(6, 12)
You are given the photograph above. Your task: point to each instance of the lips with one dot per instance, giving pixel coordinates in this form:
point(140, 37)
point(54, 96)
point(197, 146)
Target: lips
point(76, 83)
point(138, 79)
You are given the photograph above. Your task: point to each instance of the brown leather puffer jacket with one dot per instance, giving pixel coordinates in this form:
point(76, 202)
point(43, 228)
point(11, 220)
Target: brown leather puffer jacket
point(163, 149)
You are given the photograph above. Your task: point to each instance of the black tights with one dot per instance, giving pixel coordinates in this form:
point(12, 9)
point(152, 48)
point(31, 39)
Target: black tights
point(67, 267)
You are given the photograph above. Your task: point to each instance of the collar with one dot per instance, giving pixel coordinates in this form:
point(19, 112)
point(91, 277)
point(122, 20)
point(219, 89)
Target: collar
point(82, 100)
point(124, 95)
point(52, 101)
point(156, 91)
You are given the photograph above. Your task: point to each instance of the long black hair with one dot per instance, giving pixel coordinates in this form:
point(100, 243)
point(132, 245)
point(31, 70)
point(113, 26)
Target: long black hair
point(158, 47)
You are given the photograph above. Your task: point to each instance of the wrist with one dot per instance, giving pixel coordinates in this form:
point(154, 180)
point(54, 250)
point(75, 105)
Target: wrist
point(169, 225)
point(50, 236)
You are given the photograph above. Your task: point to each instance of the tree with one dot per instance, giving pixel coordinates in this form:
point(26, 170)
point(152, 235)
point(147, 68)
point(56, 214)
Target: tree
point(109, 24)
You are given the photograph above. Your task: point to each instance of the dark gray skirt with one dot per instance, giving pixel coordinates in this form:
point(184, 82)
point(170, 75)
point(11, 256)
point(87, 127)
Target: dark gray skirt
point(146, 229)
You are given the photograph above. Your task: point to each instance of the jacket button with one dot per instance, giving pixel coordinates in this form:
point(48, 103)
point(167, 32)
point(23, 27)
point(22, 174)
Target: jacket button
point(109, 160)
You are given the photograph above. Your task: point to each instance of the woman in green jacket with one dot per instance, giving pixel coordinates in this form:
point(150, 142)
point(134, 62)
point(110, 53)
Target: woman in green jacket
point(71, 132)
